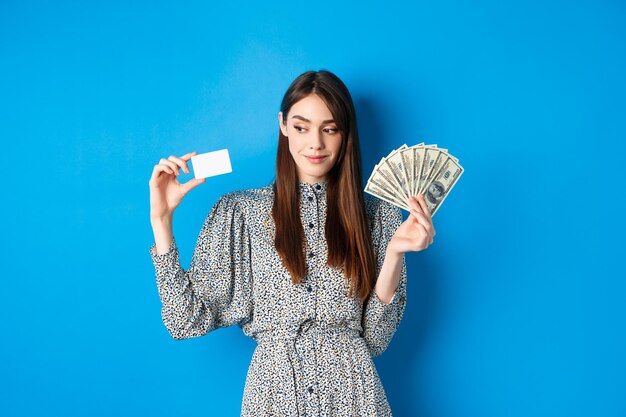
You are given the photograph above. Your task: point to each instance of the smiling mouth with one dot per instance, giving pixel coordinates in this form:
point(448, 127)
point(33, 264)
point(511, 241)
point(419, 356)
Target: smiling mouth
point(316, 159)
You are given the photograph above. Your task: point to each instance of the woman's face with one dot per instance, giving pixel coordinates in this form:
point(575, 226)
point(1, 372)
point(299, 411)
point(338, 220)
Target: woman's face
point(314, 140)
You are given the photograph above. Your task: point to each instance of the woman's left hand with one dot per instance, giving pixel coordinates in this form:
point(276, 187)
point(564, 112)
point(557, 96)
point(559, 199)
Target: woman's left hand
point(416, 233)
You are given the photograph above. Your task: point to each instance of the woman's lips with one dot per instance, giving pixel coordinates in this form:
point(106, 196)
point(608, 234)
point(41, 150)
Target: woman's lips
point(316, 159)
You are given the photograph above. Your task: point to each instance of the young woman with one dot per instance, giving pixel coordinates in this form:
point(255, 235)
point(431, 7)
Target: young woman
point(308, 266)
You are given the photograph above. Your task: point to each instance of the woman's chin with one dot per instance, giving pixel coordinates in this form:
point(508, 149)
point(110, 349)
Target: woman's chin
point(313, 177)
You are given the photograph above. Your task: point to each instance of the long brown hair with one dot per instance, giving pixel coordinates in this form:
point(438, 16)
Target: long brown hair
point(347, 230)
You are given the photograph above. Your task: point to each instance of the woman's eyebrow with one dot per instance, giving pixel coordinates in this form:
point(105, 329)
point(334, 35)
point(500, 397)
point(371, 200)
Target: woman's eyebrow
point(307, 120)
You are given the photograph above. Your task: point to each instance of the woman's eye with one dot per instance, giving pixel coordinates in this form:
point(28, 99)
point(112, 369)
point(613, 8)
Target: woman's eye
point(331, 130)
point(297, 128)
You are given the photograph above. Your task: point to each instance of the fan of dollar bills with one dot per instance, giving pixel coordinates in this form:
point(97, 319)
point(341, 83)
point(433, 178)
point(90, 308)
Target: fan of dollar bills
point(409, 171)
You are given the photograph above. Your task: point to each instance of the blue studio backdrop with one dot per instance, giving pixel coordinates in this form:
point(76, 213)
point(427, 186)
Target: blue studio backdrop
point(517, 309)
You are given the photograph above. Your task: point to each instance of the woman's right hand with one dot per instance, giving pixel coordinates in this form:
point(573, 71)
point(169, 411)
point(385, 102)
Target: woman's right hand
point(166, 192)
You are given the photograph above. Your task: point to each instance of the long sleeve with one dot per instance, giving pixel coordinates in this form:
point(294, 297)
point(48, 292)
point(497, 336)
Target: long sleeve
point(216, 290)
point(380, 321)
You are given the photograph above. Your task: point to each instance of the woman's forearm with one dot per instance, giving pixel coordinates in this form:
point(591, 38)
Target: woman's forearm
point(163, 234)
point(389, 277)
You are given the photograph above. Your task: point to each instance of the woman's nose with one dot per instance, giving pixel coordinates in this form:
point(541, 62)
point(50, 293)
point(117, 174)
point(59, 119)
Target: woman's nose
point(317, 141)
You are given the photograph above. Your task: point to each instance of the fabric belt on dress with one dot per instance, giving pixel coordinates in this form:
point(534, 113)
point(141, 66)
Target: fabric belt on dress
point(308, 327)
point(290, 337)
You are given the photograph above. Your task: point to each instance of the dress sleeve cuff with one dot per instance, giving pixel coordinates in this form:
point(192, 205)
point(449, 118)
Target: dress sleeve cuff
point(167, 257)
point(389, 311)
point(393, 297)
point(169, 274)
point(385, 308)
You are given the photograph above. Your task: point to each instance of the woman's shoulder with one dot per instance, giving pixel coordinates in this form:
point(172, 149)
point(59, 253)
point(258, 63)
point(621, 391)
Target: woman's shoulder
point(250, 197)
point(380, 211)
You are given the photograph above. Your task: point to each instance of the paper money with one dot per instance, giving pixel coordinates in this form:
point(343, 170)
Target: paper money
point(396, 167)
point(441, 184)
point(409, 171)
point(378, 186)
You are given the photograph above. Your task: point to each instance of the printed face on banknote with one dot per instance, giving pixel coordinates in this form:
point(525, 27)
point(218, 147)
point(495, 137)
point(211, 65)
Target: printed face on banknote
point(435, 192)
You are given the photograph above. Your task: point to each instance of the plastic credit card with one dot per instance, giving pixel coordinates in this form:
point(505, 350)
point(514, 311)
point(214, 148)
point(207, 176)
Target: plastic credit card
point(210, 164)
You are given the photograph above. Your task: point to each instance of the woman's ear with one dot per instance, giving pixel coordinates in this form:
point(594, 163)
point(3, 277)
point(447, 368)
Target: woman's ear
point(283, 128)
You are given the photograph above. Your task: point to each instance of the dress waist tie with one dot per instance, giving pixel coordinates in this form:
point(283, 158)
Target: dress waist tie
point(290, 337)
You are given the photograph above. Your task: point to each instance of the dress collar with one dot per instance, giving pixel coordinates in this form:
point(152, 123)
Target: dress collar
point(318, 187)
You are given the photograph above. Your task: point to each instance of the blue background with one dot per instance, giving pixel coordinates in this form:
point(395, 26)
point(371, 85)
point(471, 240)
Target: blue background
point(516, 310)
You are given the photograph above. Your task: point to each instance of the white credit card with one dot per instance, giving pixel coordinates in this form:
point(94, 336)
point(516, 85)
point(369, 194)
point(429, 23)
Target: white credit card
point(211, 163)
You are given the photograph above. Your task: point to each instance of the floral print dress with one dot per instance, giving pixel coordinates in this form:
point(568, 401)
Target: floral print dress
point(314, 343)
